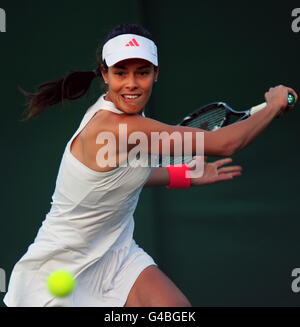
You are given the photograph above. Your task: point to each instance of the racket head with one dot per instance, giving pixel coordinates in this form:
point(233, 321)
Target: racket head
point(213, 116)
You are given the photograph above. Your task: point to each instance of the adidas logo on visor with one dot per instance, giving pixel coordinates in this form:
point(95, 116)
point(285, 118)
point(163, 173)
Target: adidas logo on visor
point(132, 43)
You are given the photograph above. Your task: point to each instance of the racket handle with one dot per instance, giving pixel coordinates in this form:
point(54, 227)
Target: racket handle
point(257, 108)
point(291, 99)
point(253, 110)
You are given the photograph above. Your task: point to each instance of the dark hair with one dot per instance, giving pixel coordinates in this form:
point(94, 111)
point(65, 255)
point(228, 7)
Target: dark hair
point(76, 83)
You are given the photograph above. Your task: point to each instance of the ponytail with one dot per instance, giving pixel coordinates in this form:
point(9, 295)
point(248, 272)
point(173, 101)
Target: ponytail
point(71, 87)
point(75, 84)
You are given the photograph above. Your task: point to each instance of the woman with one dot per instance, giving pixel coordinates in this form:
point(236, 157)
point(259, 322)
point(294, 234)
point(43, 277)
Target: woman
point(89, 228)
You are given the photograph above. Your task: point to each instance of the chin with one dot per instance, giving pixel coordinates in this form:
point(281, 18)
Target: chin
point(133, 109)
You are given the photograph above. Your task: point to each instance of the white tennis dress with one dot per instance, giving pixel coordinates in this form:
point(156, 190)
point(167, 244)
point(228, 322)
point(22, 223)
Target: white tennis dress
point(88, 231)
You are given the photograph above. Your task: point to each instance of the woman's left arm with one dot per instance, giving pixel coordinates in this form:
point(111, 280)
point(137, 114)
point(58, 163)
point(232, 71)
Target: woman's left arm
point(213, 172)
point(159, 177)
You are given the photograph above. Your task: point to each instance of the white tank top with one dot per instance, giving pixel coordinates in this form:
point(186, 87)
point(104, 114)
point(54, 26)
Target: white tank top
point(91, 213)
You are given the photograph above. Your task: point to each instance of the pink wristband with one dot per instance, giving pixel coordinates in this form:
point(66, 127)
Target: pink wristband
point(178, 177)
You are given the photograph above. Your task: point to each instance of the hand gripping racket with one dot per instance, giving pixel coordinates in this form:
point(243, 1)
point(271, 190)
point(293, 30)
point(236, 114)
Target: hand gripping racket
point(212, 117)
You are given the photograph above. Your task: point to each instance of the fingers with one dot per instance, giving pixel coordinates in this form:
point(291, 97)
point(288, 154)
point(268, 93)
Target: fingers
point(222, 162)
point(226, 170)
point(236, 174)
point(231, 169)
point(226, 177)
point(279, 97)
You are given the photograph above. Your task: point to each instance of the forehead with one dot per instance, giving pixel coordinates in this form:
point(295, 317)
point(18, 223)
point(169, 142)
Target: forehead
point(132, 63)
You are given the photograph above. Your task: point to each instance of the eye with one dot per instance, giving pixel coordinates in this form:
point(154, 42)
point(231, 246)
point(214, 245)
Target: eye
point(119, 73)
point(145, 73)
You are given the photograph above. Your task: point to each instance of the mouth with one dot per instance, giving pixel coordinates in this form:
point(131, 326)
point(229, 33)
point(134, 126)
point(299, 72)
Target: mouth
point(130, 97)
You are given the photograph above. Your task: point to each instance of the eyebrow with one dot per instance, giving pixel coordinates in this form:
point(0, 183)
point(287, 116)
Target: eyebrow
point(139, 68)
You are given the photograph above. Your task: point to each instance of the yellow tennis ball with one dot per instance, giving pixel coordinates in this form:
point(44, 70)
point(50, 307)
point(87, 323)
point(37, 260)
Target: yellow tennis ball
point(61, 283)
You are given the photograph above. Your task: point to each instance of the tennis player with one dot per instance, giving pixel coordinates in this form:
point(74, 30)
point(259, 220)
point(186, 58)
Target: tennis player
point(89, 228)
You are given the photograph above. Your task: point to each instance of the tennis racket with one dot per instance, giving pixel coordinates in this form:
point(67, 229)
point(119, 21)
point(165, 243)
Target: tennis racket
point(212, 117)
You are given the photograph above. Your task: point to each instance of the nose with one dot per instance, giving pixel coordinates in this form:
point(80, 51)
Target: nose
point(131, 82)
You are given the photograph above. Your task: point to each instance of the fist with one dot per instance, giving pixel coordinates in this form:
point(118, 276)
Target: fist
point(277, 98)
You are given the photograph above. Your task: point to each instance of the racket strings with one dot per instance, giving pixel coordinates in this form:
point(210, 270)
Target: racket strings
point(209, 120)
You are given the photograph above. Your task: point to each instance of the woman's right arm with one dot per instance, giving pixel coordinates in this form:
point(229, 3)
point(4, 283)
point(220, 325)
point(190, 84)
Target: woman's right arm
point(243, 133)
point(224, 141)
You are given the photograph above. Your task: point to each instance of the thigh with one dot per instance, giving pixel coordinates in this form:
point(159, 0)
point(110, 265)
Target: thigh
point(154, 289)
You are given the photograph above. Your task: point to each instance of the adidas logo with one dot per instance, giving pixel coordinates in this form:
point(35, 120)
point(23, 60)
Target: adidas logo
point(132, 43)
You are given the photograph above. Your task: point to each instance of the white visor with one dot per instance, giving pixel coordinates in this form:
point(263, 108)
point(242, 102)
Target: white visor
point(127, 46)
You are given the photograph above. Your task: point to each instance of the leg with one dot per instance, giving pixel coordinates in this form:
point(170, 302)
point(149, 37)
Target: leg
point(154, 289)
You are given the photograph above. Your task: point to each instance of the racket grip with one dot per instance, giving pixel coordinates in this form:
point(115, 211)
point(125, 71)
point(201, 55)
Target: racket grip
point(291, 99)
point(253, 110)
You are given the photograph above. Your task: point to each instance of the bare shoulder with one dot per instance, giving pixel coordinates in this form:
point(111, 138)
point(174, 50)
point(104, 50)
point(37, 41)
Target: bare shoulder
point(106, 121)
point(144, 124)
point(103, 121)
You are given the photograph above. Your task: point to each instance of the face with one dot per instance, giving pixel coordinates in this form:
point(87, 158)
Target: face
point(130, 84)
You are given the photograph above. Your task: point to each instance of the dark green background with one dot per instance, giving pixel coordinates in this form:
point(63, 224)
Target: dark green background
point(229, 244)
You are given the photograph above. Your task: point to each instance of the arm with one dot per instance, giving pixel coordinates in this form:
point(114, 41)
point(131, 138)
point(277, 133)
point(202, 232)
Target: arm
point(213, 172)
point(159, 177)
point(225, 141)
point(276, 99)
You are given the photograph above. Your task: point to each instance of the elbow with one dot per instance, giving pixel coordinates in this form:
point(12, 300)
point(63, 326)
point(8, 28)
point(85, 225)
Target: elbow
point(229, 149)
point(222, 144)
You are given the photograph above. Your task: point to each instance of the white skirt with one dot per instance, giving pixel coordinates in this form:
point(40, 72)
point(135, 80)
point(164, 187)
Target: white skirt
point(106, 283)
